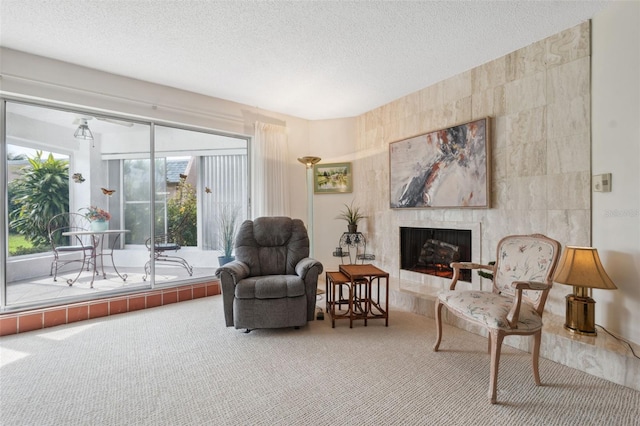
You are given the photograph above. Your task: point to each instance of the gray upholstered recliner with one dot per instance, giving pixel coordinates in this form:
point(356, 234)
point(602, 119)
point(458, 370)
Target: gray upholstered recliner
point(272, 283)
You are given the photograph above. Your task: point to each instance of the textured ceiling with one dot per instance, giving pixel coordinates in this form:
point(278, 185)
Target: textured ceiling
point(310, 59)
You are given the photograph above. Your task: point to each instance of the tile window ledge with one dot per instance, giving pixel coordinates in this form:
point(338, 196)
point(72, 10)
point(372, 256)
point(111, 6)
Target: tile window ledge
point(36, 319)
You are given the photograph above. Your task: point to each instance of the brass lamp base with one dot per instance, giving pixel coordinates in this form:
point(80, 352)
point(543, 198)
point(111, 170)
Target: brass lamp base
point(580, 317)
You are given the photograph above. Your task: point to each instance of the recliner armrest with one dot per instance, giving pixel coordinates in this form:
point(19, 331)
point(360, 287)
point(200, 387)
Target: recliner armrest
point(230, 275)
point(305, 264)
point(237, 270)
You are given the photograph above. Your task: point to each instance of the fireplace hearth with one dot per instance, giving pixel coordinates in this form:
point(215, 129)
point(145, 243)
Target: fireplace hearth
point(431, 250)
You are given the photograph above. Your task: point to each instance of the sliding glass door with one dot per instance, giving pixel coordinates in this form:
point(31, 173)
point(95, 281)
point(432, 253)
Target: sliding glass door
point(162, 189)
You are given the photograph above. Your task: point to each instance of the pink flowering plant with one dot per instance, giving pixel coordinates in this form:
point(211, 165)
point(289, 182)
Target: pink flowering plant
point(97, 214)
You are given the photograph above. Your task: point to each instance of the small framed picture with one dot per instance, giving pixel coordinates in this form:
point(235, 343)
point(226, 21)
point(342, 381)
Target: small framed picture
point(332, 178)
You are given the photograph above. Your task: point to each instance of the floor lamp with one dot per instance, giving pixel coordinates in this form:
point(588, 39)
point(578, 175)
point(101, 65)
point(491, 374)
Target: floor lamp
point(309, 162)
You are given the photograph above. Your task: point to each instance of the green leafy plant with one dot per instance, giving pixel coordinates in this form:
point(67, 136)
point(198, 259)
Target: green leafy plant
point(487, 275)
point(228, 223)
point(40, 192)
point(351, 214)
point(182, 215)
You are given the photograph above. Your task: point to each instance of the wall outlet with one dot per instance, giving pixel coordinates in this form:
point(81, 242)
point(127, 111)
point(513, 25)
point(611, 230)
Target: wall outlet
point(602, 183)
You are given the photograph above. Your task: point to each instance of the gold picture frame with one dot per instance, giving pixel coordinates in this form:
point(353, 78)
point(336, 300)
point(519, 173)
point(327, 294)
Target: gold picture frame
point(332, 178)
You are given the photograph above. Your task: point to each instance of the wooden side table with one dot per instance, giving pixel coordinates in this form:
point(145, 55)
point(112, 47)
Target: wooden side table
point(335, 282)
point(363, 304)
point(373, 305)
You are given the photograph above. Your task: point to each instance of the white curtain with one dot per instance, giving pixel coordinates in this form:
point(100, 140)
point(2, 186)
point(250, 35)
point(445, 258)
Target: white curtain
point(270, 178)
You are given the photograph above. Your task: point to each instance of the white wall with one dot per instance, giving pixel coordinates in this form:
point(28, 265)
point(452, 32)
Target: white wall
point(616, 150)
point(46, 78)
point(334, 142)
point(43, 79)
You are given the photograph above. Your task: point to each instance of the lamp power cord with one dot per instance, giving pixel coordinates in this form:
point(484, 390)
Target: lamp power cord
point(620, 340)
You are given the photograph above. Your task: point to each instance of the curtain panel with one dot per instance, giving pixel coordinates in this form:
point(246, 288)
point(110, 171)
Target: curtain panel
point(270, 177)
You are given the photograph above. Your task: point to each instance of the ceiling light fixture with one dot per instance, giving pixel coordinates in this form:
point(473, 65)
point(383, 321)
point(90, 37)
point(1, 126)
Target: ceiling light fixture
point(83, 132)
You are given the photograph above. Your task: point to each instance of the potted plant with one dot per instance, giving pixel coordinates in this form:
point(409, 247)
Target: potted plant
point(98, 218)
point(352, 215)
point(227, 222)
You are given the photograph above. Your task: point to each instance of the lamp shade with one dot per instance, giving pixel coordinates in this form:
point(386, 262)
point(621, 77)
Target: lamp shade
point(309, 161)
point(581, 267)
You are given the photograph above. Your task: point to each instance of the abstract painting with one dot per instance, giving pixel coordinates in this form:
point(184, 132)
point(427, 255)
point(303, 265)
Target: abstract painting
point(444, 168)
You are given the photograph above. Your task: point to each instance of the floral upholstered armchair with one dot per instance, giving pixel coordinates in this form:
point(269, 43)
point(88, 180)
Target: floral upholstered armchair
point(273, 281)
point(522, 278)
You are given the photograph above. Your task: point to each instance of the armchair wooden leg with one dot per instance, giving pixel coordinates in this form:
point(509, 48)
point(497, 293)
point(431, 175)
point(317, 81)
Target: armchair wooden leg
point(496, 347)
point(535, 356)
point(438, 325)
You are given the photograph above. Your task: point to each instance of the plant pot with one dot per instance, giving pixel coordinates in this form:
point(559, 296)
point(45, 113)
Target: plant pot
point(222, 260)
point(99, 225)
point(352, 228)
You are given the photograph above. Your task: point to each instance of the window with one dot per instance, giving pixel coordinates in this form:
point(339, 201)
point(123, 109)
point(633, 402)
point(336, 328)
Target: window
point(193, 175)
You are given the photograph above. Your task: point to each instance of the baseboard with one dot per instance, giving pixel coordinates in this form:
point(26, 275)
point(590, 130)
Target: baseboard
point(35, 319)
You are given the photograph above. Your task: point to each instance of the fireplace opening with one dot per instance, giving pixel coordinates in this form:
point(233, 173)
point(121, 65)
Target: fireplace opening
point(431, 250)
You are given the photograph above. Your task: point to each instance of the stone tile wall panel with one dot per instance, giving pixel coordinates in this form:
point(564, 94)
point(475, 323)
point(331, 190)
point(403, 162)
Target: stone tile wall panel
point(539, 104)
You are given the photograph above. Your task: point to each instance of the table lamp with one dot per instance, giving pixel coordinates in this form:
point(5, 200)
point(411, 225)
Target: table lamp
point(581, 268)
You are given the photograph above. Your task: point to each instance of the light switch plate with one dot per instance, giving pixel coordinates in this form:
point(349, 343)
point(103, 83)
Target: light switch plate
point(602, 183)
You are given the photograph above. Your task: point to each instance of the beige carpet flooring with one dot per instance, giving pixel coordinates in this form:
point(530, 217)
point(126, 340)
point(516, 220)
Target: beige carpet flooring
point(179, 365)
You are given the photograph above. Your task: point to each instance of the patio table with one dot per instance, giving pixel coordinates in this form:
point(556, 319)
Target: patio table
point(98, 242)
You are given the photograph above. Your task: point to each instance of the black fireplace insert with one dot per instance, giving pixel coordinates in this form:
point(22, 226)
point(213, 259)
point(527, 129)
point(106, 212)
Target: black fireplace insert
point(431, 250)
